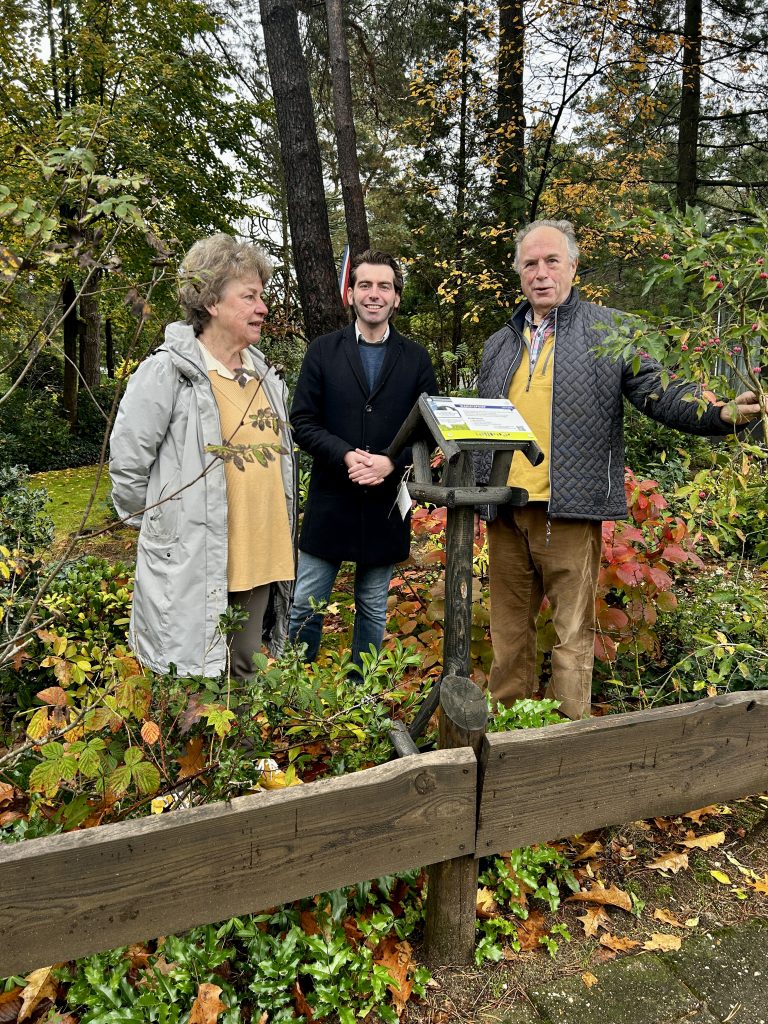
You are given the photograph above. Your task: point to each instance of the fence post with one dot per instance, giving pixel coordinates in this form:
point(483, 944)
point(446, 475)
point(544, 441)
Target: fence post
point(452, 888)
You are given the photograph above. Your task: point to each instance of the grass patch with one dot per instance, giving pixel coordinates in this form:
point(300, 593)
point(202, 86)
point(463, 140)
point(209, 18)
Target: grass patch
point(70, 491)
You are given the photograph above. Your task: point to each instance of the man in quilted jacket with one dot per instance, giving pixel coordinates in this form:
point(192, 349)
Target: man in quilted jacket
point(544, 360)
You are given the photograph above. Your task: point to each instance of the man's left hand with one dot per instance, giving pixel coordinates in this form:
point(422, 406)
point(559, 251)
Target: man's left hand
point(743, 409)
point(370, 476)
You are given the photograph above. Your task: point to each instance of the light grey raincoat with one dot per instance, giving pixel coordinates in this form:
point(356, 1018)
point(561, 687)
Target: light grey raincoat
point(166, 418)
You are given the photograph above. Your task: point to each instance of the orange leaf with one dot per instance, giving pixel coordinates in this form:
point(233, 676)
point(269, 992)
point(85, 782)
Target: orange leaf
point(531, 931)
point(302, 1006)
point(53, 695)
point(397, 957)
point(761, 885)
point(192, 760)
point(207, 1005)
point(589, 979)
point(309, 923)
point(150, 732)
point(618, 943)
point(670, 862)
point(613, 897)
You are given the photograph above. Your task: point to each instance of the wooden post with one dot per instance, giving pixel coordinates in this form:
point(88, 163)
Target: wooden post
point(452, 888)
point(458, 574)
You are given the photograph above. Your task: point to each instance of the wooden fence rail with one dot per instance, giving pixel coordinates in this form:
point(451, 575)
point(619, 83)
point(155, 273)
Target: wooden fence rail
point(66, 896)
point(70, 895)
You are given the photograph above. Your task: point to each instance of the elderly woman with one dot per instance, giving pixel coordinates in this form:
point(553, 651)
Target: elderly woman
point(215, 532)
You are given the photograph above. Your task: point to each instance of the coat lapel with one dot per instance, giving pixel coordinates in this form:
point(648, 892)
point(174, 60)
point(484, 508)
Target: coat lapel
point(391, 359)
point(352, 352)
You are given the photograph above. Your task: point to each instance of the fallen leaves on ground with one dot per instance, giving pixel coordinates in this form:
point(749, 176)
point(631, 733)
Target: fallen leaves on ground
point(673, 862)
point(40, 985)
point(612, 896)
point(207, 1005)
point(666, 918)
point(531, 931)
point(761, 885)
point(302, 1006)
point(593, 919)
point(703, 812)
point(705, 842)
point(589, 979)
point(486, 904)
point(397, 956)
point(10, 1005)
point(618, 943)
point(664, 943)
point(721, 877)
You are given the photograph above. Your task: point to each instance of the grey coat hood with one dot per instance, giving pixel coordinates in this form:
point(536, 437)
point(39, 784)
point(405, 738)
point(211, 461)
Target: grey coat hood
point(165, 483)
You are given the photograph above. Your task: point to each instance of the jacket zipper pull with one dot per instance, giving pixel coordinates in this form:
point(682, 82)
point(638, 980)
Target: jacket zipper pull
point(549, 527)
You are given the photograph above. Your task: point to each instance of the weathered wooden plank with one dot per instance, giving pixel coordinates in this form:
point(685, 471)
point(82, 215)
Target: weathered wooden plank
point(541, 784)
point(67, 896)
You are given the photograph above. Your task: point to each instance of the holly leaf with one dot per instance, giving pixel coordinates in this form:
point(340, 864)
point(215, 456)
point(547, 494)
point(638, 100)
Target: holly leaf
point(663, 942)
point(207, 1005)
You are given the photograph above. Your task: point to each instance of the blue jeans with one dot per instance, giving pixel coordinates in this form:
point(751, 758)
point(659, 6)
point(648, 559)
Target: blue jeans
point(314, 579)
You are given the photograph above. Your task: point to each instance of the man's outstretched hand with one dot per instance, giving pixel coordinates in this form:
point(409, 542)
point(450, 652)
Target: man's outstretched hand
point(743, 409)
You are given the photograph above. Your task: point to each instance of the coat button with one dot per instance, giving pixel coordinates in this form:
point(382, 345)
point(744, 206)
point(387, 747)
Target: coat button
point(369, 408)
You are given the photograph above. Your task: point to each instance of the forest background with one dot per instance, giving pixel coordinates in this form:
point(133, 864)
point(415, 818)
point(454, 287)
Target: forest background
point(432, 130)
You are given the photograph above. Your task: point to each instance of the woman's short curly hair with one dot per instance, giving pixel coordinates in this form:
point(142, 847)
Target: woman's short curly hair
point(209, 266)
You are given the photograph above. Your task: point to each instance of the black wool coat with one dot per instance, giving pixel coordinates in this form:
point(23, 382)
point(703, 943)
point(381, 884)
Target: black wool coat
point(334, 412)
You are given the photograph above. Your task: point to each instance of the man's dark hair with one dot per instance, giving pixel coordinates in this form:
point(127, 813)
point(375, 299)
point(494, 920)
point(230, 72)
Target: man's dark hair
point(380, 259)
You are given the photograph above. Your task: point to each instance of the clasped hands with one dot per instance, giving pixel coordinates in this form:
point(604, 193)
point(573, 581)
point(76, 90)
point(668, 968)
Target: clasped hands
point(366, 469)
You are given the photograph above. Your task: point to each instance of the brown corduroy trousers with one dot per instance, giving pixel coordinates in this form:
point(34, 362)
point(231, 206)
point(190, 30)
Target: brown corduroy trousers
point(525, 564)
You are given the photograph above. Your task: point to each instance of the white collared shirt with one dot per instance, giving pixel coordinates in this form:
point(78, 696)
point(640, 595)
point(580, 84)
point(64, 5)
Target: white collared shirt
point(212, 363)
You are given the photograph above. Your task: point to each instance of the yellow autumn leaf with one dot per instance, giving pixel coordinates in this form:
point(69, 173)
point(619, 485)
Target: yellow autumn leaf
point(486, 904)
point(589, 979)
point(618, 943)
point(721, 877)
point(150, 732)
point(665, 943)
point(761, 885)
point(705, 842)
point(40, 985)
point(39, 724)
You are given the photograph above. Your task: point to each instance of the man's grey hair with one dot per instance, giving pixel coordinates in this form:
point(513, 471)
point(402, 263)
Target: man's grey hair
point(208, 268)
point(563, 226)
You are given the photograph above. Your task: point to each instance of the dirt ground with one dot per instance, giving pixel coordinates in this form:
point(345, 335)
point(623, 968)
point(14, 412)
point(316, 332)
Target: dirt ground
point(715, 889)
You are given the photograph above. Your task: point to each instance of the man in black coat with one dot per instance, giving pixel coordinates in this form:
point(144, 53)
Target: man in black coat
point(355, 388)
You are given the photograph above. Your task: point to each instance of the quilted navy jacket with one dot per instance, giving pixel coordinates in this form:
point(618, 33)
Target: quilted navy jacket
point(587, 456)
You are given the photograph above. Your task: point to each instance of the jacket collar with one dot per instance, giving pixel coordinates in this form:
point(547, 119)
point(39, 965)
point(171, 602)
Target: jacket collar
point(394, 345)
point(564, 311)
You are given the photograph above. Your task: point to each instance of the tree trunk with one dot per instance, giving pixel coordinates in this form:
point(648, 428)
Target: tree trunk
point(346, 137)
point(510, 166)
point(69, 328)
point(460, 231)
point(690, 106)
point(300, 151)
point(90, 354)
point(109, 343)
